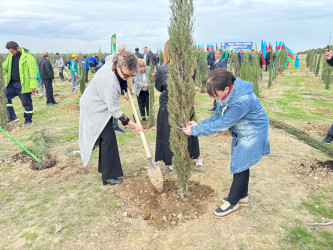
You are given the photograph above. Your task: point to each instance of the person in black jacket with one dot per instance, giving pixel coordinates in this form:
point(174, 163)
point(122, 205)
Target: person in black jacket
point(268, 59)
point(211, 57)
point(261, 57)
point(151, 59)
point(138, 54)
point(47, 76)
point(163, 151)
point(329, 58)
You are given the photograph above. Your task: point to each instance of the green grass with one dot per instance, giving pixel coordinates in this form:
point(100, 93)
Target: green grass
point(298, 237)
point(319, 204)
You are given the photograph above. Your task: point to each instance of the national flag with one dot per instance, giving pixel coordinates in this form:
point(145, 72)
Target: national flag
point(276, 46)
point(264, 49)
point(296, 62)
point(113, 44)
point(289, 52)
point(279, 46)
point(289, 60)
point(270, 46)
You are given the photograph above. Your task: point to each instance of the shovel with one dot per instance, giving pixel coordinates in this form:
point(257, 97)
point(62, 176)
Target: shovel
point(154, 171)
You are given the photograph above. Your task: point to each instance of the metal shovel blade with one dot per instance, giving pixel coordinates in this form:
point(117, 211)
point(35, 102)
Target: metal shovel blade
point(155, 175)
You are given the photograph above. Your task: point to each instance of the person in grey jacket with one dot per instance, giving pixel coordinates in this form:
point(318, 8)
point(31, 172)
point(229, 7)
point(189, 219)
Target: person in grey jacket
point(61, 65)
point(99, 104)
point(141, 84)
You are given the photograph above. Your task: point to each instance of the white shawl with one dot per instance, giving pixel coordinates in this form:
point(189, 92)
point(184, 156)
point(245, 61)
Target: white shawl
point(99, 102)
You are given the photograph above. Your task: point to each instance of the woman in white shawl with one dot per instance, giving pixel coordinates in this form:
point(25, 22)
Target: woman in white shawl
point(99, 104)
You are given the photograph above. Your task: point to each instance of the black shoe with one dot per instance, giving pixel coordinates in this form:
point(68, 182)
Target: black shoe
point(114, 181)
point(328, 139)
point(213, 109)
point(12, 120)
point(27, 124)
point(144, 119)
point(50, 104)
point(55, 102)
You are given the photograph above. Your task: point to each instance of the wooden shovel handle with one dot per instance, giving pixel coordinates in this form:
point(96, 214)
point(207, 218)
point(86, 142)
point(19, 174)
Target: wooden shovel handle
point(137, 120)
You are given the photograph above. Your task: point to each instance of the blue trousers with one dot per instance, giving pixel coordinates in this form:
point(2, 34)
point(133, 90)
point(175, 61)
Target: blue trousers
point(115, 123)
point(330, 132)
point(14, 89)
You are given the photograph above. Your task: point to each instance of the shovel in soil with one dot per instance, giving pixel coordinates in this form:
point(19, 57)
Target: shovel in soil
point(154, 171)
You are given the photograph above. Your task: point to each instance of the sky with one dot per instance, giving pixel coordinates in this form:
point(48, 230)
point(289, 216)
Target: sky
point(86, 26)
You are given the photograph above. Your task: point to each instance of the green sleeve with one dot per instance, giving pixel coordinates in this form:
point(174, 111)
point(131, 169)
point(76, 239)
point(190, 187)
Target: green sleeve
point(32, 72)
point(5, 66)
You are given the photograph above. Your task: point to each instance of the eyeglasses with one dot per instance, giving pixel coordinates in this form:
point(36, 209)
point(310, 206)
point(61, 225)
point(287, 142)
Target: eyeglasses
point(124, 75)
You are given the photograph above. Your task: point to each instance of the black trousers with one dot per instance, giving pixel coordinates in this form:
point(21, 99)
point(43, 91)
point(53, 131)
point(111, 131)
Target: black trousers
point(87, 71)
point(109, 161)
point(267, 66)
point(162, 150)
point(239, 187)
point(49, 91)
point(143, 102)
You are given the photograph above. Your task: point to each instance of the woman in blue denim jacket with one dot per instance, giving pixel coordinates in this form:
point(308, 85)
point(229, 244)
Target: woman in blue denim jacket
point(239, 111)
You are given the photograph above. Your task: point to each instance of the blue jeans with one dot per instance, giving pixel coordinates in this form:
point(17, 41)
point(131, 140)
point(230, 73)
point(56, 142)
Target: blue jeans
point(14, 89)
point(115, 123)
point(330, 132)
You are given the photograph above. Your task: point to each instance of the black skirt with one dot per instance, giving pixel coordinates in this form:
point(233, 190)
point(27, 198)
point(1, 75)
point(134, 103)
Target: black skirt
point(109, 161)
point(163, 151)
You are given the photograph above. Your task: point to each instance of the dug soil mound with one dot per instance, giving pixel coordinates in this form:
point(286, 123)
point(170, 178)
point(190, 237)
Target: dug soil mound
point(320, 171)
point(64, 167)
point(164, 209)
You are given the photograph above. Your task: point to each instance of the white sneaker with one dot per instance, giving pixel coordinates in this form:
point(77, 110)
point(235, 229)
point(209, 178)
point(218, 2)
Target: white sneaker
point(169, 166)
point(198, 162)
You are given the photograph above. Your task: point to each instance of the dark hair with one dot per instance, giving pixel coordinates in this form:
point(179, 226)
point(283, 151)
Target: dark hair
point(84, 56)
point(136, 49)
point(125, 58)
point(219, 79)
point(57, 54)
point(46, 55)
point(218, 50)
point(12, 45)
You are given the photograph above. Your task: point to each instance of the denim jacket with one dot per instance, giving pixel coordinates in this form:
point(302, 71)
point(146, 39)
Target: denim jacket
point(242, 114)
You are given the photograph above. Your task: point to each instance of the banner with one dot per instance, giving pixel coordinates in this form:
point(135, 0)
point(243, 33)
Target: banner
point(113, 44)
point(237, 45)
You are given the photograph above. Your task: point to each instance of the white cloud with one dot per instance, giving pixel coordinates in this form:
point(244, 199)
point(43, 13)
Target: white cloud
point(86, 26)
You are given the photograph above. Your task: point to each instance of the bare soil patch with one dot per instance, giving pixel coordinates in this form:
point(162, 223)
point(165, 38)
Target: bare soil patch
point(320, 129)
point(164, 209)
point(66, 168)
point(316, 169)
point(71, 107)
point(325, 111)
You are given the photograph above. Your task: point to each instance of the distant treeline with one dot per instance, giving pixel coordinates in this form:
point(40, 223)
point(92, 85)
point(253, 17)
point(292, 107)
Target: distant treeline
point(316, 51)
